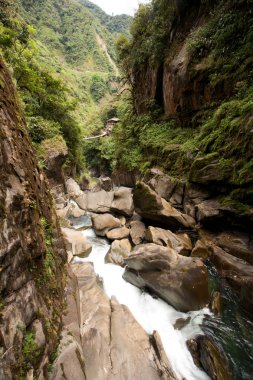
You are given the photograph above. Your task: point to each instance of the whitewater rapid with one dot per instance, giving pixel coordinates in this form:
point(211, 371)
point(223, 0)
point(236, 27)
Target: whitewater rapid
point(152, 314)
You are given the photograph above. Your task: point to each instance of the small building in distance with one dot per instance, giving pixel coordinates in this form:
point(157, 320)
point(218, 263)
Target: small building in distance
point(111, 123)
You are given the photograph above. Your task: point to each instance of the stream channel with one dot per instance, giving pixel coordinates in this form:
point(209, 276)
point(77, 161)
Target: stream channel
point(232, 331)
point(151, 313)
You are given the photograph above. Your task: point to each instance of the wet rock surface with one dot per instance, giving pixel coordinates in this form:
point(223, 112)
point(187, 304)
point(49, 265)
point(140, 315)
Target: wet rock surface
point(207, 354)
point(119, 250)
point(181, 281)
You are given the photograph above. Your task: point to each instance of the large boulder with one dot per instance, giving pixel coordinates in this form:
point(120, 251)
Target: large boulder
point(237, 244)
point(208, 355)
point(105, 183)
point(152, 207)
point(99, 202)
point(74, 211)
point(118, 233)
point(169, 188)
point(119, 250)
point(123, 202)
point(237, 272)
point(181, 243)
point(137, 232)
point(76, 243)
point(180, 281)
point(104, 223)
point(201, 249)
point(73, 189)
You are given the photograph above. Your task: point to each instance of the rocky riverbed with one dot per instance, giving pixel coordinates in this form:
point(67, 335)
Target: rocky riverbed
point(169, 303)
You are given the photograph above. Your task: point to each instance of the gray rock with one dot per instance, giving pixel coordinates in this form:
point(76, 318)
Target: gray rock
point(119, 250)
point(73, 189)
point(181, 243)
point(137, 232)
point(123, 202)
point(180, 281)
point(152, 207)
point(118, 233)
point(99, 202)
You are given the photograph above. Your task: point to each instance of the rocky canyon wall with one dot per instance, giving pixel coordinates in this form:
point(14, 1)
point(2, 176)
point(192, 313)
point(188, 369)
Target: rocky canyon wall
point(32, 254)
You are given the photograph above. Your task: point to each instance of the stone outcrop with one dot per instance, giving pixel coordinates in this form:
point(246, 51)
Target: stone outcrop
point(99, 202)
point(180, 281)
point(237, 272)
point(106, 342)
point(137, 232)
point(208, 355)
point(118, 233)
point(123, 202)
point(119, 250)
point(152, 207)
point(76, 243)
point(104, 223)
point(181, 243)
point(72, 188)
point(32, 254)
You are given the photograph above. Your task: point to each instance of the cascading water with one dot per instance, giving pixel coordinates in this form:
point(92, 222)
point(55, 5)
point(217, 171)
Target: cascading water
point(151, 313)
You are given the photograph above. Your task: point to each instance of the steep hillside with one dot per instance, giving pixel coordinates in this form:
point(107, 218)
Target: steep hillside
point(118, 24)
point(63, 60)
point(190, 69)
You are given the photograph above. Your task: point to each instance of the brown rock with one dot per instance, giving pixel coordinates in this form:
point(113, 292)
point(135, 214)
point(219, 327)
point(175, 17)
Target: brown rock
point(152, 207)
point(105, 183)
point(76, 243)
point(181, 323)
point(216, 303)
point(119, 250)
point(200, 250)
point(208, 355)
point(73, 189)
point(123, 202)
point(180, 281)
point(99, 202)
point(181, 243)
point(237, 272)
point(118, 233)
point(137, 232)
point(105, 222)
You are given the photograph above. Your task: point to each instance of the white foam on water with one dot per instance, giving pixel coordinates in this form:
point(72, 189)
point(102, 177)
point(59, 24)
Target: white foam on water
point(152, 314)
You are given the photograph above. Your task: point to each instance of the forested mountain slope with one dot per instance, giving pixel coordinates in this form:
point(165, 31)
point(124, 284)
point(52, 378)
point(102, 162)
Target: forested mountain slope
point(61, 56)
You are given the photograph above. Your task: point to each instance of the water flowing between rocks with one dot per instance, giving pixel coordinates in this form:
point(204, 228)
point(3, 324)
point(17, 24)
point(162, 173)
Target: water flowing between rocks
point(152, 313)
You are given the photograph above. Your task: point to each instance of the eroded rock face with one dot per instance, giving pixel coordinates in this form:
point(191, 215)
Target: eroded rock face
point(32, 253)
point(180, 281)
point(152, 207)
point(181, 243)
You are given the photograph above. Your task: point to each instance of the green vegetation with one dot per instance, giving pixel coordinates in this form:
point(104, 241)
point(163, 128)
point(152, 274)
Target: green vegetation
point(57, 52)
point(222, 44)
point(29, 351)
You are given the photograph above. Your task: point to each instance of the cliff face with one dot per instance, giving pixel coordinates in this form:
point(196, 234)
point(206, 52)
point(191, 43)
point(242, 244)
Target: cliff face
point(32, 254)
point(179, 84)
